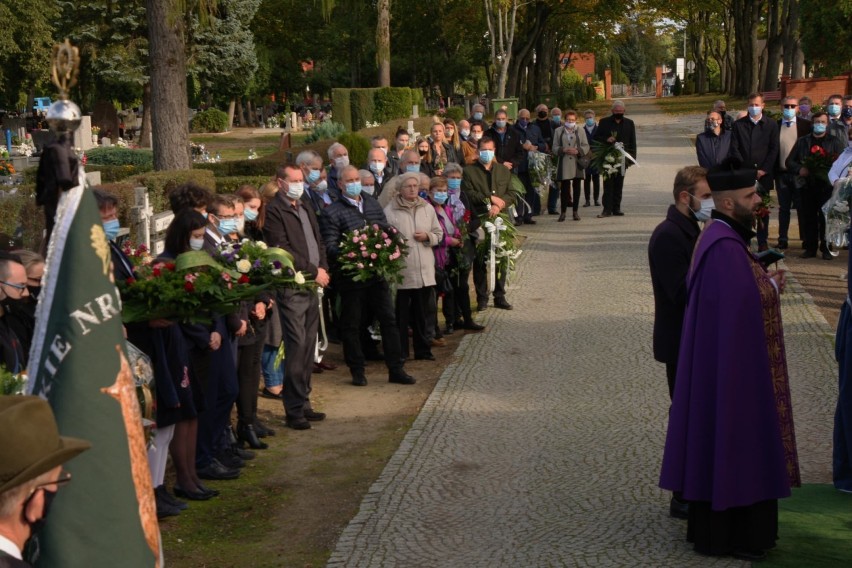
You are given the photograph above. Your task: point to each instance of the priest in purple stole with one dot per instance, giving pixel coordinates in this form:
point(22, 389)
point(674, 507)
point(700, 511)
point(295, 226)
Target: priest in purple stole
point(731, 447)
point(842, 459)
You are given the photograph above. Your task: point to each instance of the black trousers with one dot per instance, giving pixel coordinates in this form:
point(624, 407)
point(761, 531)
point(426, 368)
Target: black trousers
point(589, 181)
point(565, 197)
point(811, 217)
point(220, 393)
point(671, 373)
point(447, 293)
point(788, 197)
point(480, 282)
point(248, 376)
point(413, 307)
point(533, 203)
point(613, 187)
point(300, 321)
point(376, 297)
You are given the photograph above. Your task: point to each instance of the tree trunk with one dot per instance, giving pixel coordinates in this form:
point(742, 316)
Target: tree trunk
point(383, 42)
point(774, 45)
point(166, 48)
point(790, 39)
point(251, 115)
point(746, 16)
point(231, 110)
point(145, 130)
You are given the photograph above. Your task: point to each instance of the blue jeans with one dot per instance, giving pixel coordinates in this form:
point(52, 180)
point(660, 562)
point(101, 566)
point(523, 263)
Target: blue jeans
point(272, 377)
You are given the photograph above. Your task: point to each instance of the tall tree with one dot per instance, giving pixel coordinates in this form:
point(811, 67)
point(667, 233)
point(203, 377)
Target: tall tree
point(26, 42)
point(501, 16)
point(383, 54)
point(827, 35)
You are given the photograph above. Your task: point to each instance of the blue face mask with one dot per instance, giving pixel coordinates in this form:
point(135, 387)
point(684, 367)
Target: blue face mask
point(590, 122)
point(754, 110)
point(313, 176)
point(833, 109)
point(250, 214)
point(485, 156)
point(556, 119)
point(412, 169)
point(477, 116)
point(111, 229)
point(500, 123)
point(789, 113)
point(227, 226)
point(454, 183)
point(819, 128)
point(353, 189)
point(440, 197)
point(523, 122)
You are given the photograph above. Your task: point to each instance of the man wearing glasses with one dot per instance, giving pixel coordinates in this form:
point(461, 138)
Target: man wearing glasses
point(32, 453)
point(790, 128)
point(13, 288)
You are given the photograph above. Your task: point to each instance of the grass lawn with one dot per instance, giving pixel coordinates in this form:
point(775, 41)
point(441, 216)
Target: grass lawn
point(815, 529)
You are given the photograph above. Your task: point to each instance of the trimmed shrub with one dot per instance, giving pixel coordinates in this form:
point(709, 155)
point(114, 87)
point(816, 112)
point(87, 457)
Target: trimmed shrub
point(210, 120)
point(160, 183)
point(230, 184)
point(362, 107)
point(240, 168)
point(456, 113)
point(111, 174)
point(116, 156)
point(417, 99)
point(327, 130)
point(391, 103)
point(357, 145)
point(341, 107)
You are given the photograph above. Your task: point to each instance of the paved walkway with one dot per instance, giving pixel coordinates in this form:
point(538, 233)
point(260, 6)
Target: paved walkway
point(540, 445)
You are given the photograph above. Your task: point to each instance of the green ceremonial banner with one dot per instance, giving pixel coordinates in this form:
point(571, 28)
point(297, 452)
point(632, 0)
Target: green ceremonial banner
point(106, 516)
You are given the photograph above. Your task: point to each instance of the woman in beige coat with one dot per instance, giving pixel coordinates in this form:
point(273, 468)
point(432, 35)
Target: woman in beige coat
point(416, 221)
point(569, 145)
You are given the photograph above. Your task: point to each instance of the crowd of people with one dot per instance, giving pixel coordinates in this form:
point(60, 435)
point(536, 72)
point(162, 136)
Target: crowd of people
point(730, 451)
point(436, 191)
point(800, 155)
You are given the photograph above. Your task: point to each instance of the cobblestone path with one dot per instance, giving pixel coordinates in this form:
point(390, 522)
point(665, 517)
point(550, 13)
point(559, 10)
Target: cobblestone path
point(540, 445)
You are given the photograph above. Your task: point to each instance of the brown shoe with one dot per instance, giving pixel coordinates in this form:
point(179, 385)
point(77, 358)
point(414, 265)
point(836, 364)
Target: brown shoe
point(440, 342)
point(576, 216)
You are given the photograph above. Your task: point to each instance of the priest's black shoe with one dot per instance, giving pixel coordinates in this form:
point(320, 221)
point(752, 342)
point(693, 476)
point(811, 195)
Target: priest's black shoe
point(300, 423)
point(230, 460)
point(401, 378)
point(262, 429)
point(618, 213)
point(808, 254)
point(679, 509)
point(314, 416)
point(247, 435)
point(502, 304)
point(216, 471)
point(162, 493)
point(749, 555)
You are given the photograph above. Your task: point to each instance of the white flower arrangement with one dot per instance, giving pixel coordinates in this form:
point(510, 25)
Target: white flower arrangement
point(243, 266)
point(252, 155)
point(299, 278)
point(121, 143)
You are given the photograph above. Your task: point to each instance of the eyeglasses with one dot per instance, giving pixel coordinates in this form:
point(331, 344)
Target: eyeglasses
point(64, 479)
point(790, 106)
point(18, 287)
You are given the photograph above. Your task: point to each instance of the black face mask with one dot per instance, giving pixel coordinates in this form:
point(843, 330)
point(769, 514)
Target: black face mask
point(38, 525)
point(34, 292)
point(618, 115)
point(722, 113)
point(424, 152)
point(542, 114)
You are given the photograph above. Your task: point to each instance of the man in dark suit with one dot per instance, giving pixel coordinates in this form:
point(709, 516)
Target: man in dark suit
point(508, 149)
point(754, 144)
point(381, 168)
point(591, 177)
point(669, 256)
point(531, 139)
point(291, 225)
point(611, 129)
point(32, 453)
point(790, 128)
point(13, 288)
point(354, 210)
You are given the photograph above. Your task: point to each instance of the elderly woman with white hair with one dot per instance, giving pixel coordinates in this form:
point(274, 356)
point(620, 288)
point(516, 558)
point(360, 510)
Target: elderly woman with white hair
point(417, 222)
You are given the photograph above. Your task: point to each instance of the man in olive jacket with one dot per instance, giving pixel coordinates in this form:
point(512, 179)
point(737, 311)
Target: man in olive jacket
point(488, 187)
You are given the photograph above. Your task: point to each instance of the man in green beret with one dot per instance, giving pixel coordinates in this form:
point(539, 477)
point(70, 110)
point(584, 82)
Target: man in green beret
point(31, 456)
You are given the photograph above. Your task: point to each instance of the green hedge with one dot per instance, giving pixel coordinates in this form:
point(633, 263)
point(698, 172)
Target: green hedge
point(240, 168)
point(210, 120)
point(392, 102)
point(357, 145)
point(362, 107)
point(230, 184)
point(20, 210)
point(117, 156)
point(341, 107)
point(456, 113)
point(160, 183)
point(417, 99)
point(111, 174)
point(328, 130)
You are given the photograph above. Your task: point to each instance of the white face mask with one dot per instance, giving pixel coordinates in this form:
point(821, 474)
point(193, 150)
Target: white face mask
point(707, 207)
point(295, 190)
point(321, 186)
point(241, 225)
point(196, 244)
point(341, 162)
point(477, 136)
point(368, 189)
